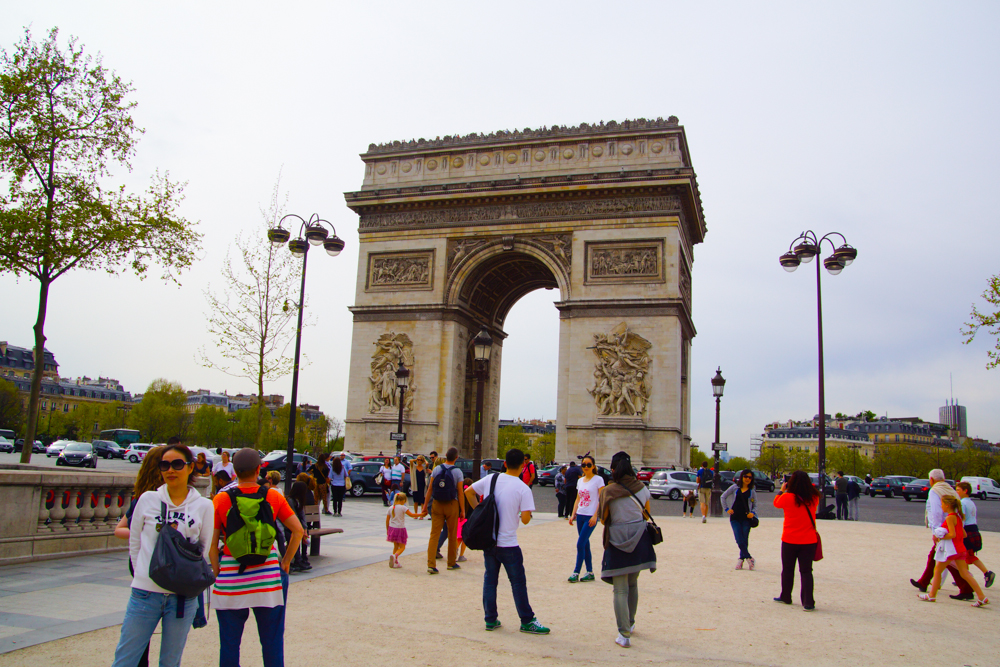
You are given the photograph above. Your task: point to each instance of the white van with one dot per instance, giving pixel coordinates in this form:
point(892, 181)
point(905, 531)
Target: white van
point(983, 487)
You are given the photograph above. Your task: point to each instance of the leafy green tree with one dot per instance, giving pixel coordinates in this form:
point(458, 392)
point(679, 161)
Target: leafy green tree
point(698, 456)
point(773, 459)
point(65, 124)
point(990, 320)
point(210, 427)
point(11, 410)
point(738, 463)
point(161, 412)
point(543, 449)
point(511, 437)
point(252, 319)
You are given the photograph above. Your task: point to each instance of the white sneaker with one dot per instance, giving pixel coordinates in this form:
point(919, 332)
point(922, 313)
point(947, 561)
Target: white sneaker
point(752, 563)
point(632, 629)
point(704, 520)
point(623, 641)
point(392, 561)
point(739, 564)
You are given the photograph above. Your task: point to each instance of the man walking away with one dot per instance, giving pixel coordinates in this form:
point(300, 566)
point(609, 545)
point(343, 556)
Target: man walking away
point(934, 517)
point(529, 474)
point(853, 497)
point(247, 578)
point(705, 476)
point(514, 504)
point(446, 485)
point(840, 487)
point(573, 474)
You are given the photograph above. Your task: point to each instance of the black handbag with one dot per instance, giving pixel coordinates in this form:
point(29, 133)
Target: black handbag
point(176, 564)
point(654, 532)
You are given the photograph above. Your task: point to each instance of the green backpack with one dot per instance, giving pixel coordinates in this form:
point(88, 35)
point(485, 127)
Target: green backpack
point(250, 527)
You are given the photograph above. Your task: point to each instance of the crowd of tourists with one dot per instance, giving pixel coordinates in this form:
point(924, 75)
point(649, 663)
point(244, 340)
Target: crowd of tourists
point(233, 553)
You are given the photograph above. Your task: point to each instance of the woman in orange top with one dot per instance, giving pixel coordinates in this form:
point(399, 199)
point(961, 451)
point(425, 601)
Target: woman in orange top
point(798, 498)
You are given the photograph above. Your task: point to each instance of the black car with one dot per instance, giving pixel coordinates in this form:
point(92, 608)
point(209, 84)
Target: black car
point(78, 454)
point(276, 461)
point(828, 489)
point(886, 486)
point(918, 488)
point(546, 476)
point(37, 448)
point(108, 450)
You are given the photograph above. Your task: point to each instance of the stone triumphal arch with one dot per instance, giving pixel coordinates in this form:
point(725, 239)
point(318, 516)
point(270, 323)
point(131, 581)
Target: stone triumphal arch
point(454, 231)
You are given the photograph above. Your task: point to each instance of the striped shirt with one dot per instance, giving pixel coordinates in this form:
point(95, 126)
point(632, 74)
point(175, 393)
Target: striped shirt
point(258, 586)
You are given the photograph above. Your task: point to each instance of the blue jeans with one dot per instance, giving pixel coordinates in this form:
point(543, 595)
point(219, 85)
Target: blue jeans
point(270, 629)
point(144, 612)
point(741, 531)
point(583, 532)
point(512, 561)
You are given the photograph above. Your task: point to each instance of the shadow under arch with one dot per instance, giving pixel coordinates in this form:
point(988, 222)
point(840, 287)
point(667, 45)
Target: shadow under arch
point(495, 276)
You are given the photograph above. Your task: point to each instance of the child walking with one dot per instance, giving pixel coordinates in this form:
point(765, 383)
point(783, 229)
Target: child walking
point(690, 501)
point(395, 527)
point(973, 540)
point(949, 538)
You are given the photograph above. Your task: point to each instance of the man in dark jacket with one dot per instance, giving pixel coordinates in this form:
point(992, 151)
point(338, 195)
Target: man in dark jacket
point(840, 486)
point(853, 494)
point(573, 474)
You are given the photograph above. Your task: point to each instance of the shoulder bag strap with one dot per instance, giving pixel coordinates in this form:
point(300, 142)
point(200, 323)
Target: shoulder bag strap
point(642, 508)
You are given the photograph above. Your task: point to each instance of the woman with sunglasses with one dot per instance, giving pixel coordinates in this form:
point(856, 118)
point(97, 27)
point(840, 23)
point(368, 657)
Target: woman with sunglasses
point(150, 605)
point(588, 492)
point(740, 502)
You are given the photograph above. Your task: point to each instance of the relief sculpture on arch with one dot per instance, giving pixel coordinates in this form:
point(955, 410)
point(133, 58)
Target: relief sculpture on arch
point(620, 387)
point(390, 349)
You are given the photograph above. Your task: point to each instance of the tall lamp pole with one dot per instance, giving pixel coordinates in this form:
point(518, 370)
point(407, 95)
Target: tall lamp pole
point(802, 250)
point(402, 381)
point(718, 386)
point(483, 346)
point(855, 448)
point(315, 233)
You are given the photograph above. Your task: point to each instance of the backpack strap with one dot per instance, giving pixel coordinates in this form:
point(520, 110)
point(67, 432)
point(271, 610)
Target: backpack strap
point(163, 517)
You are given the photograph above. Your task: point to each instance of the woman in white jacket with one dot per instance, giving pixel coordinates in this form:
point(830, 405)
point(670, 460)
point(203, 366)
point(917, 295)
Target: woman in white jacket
point(150, 605)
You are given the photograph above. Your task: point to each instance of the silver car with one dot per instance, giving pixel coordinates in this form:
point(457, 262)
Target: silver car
point(672, 483)
point(56, 448)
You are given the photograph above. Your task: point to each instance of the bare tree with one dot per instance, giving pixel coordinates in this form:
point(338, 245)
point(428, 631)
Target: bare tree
point(252, 319)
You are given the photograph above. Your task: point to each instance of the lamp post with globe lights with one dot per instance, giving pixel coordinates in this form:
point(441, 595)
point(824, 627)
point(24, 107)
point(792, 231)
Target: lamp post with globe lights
point(483, 343)
point(802, 250)
point(314, 231)
point(402, 381)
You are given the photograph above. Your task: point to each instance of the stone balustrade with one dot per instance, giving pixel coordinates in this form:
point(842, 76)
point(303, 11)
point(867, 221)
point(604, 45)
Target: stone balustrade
point(53, 513)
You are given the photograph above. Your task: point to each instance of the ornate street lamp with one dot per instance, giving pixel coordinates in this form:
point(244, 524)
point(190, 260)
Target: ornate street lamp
point(483, 346)
point(718, 386)
point(315, 233)
point(802, 250)
point(402, 381)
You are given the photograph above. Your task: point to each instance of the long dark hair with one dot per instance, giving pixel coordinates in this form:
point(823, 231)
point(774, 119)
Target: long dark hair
point(621, 467)
point(802, 487)
point(299, 494)
point(746, 471)
point(336, 465)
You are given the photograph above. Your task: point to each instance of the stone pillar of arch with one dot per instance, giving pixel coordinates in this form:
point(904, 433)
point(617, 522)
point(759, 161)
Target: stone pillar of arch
point(454, 231)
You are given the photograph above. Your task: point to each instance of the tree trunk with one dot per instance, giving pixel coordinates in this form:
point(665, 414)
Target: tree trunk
point(36, 375)
point(260, 396)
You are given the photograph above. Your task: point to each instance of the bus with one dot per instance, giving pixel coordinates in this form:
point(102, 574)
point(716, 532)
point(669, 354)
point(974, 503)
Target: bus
point(123, 436)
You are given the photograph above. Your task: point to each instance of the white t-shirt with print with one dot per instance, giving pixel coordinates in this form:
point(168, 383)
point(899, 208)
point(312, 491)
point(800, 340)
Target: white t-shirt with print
point(513, 497)
point(589, 494)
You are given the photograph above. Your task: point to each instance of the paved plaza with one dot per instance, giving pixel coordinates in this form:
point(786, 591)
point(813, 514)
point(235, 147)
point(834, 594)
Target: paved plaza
point(352, 608)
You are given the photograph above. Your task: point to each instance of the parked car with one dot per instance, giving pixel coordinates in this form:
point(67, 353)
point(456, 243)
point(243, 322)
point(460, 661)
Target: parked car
point(37, 448)
point(107, 449)
point(886, 486)
point(6, 445)
point(672, 483)
point(78, 454)
point(983, 487)
point(276, 461)
point(136, 451)
point(905, 479)
point(727, 479)
point(762, 482)
point(918, 488)
point(546, 476)
point(862, 484)
point(827, 483)
point(55, 449)
point(210, 454)
point(645, 473)
point(363, 474)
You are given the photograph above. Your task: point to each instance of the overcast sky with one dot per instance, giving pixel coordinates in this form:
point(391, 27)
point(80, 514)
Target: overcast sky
point(877, 120)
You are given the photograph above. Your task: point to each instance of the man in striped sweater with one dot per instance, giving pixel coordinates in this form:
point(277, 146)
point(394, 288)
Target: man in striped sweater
point(257, 587)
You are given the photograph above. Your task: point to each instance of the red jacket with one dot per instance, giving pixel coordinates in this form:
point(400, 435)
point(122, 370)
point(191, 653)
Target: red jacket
point(798, 527)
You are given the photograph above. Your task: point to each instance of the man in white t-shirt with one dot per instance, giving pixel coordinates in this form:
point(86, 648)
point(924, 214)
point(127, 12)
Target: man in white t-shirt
point(514, 503)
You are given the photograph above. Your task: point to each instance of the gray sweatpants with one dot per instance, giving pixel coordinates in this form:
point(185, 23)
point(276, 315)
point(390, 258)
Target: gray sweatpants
point(626, 601)
point(853, 504)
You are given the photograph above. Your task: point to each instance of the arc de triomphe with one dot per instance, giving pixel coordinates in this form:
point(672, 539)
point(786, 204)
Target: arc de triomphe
point(454, 231)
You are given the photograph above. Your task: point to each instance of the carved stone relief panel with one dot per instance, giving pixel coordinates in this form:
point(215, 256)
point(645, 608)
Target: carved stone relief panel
point(390, 349)
point(412, 270)
point(685, 284)
point(620, 387)
point(625, 262)
point(560, 245)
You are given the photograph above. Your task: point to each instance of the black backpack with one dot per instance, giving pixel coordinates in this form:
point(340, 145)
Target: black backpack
point(705, 478)
point(444, 485)
point(480, 531)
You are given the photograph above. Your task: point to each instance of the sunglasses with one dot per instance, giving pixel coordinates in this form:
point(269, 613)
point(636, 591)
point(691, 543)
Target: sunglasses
point(176, 464)
point(747, 476)
point(587, 465)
